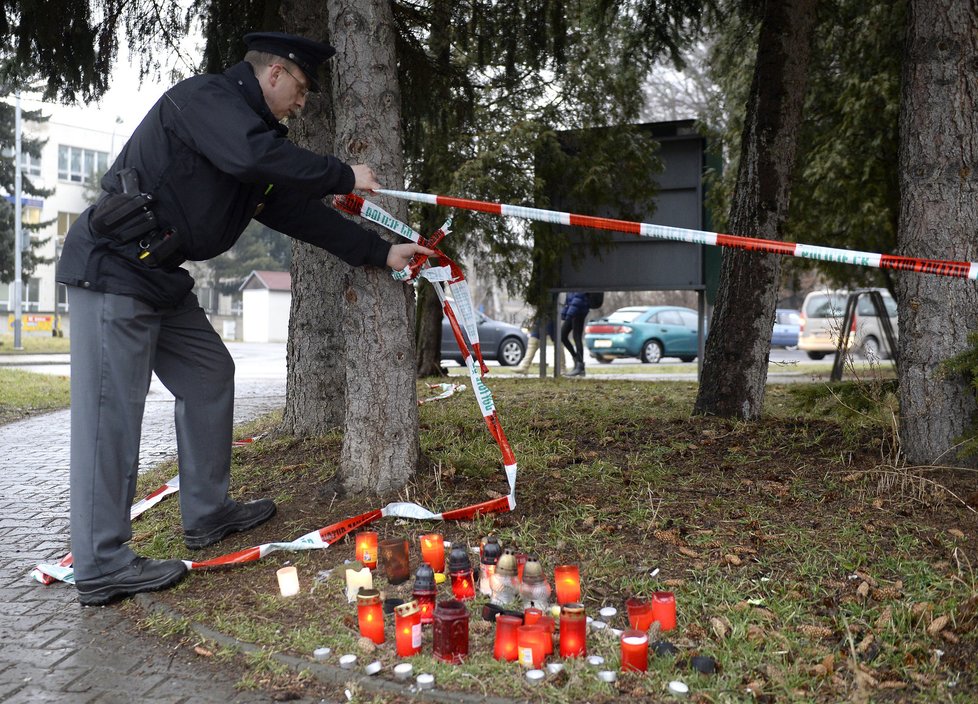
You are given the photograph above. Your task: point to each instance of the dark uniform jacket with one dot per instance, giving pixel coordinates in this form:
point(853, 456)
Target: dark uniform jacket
point(213, 157)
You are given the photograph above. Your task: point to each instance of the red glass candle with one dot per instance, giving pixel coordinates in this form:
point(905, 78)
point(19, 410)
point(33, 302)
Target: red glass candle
point(567, 580)
point(531, 645)
point(424, 592)
point(634, 651)
point(370, 615)
point(532, 616)
point(433, 551)
point(407, 628)
point(463, 586)
point(366, 550)
point(395, 558)
point(664, 610)
point(573, 631)
point(451, 631)
point(639, 613)
point(550, 626)
point(506, 629)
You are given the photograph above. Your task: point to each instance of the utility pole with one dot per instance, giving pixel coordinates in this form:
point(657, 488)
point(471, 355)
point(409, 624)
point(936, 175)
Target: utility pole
point(18, 275)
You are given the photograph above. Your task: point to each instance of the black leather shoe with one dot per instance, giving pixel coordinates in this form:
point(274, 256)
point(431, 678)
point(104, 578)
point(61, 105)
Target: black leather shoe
point(140, 575)
point(239, 518)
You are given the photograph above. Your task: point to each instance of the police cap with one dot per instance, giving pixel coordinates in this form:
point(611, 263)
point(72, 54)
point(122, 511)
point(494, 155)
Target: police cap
point(307, 54)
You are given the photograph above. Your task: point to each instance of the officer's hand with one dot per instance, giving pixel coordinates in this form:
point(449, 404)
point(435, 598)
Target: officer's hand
point(366, 180)
point(401, 254)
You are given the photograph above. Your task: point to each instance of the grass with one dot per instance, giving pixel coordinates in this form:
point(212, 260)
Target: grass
point(34, 343)
point(791, 568)
point(24, 394)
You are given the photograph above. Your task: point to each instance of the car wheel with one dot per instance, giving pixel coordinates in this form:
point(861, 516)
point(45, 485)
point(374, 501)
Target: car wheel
point(686, 359)
point(510, 352)
point(651, 352)
point(816, 355)
point(871, 349)
point(602, 360)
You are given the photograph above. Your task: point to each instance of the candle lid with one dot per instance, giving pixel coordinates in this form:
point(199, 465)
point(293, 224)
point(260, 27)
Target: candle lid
point(458, 559)
point(366, 597)
point(424, 578)
point(407, 609)
point(532, 571)
point(506, 567)
point(491, 551)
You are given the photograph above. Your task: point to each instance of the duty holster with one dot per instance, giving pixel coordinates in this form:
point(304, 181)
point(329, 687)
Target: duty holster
point(127, 216)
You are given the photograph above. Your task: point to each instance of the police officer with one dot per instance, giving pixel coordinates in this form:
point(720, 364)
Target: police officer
point(210, 155)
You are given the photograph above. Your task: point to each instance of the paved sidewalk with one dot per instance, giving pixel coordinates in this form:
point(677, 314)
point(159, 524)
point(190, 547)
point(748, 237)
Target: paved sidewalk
point(51, 649)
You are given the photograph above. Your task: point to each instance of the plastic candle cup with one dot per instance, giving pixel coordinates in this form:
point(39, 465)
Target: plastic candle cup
point(532, 616)
point(460, 568)
point(634, 651)
point(395, 559)
point(355, 579)
point(506, 631)
point(639, 613)
point(451, 632)
point(491, 551)
point(567, 580)
point(366, 548)
point(407, 629)
point(424, 592)
point(664, 610)
point(531, 645)
point(370, 615)
point(288, 581)
point(433, 551)
point(573, 631)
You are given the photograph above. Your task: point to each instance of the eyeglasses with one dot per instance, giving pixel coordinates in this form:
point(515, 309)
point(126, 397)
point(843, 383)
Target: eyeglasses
point(304, 91)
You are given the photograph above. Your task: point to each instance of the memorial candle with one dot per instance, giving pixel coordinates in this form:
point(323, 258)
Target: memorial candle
point(634, 651)
point(407, 629)
point(355, 579)
point(567, 580)
point(639, 613)
point(573, 631)
point(366, 548)
point(664, 610)
point(288, 581)
point(460, 568)
point(531, 645)
point(506, 631)
point(424, 592)
point(395, 559)
point(370, 615)
point(451, 632)
point(433, 551)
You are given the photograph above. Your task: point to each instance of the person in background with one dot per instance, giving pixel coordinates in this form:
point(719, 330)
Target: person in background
point(533, 343)
point(210, 155)
point(574, 313)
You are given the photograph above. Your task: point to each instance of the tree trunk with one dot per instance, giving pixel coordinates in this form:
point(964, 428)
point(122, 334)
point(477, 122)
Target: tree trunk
point(315, 395)
point(380, 444)
point(938, 219)
point(739, 342)
point(429, 332)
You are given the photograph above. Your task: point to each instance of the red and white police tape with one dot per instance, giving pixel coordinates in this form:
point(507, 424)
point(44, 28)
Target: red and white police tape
point(938, 267)
point(453, 292)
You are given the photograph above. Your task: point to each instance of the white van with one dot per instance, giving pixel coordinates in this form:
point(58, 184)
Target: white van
point(821, 324)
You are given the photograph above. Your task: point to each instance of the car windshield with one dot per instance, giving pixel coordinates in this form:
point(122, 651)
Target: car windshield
point(625, 315)
point(824, 305)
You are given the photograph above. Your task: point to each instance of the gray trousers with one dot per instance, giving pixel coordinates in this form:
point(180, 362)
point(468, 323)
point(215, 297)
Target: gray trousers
point(117, 342)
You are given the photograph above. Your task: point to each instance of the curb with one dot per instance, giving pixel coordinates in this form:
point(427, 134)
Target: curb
point(328, 674)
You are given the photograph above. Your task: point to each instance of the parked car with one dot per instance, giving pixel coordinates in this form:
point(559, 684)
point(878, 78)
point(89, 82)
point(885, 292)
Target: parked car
point(787, 325)
point(647, 332)
point(500, 341)
point(822, 319)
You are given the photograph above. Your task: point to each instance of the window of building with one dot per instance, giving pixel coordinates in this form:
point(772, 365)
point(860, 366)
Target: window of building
point(65, 220)
point(80, 165)
point(30, 165)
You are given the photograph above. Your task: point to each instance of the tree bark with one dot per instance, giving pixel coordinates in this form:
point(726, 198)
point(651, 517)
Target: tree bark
point(315, 395)
point(739, 342)
point(429, 332)
point(938, 219)
point(380, 445)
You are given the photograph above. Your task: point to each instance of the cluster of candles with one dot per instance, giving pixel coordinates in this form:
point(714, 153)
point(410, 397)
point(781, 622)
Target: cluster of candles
point(509, 579)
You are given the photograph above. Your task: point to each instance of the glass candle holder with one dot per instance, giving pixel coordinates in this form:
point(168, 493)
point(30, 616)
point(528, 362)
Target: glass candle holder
point(634, 651)
point(521, 558)
point(490, 553)
point(506, 630)
point(532, 616)
point(424, 592)
point(664, 610)
point(288, 580)
point(451, 632)
point(573, 631)
point(370, 615)
point(366, 548)
point(567, 581)
point(531, 645)
point(395, 559)
point(433, 551)
point(357, 579)
point(639, 613)
point(407, 629)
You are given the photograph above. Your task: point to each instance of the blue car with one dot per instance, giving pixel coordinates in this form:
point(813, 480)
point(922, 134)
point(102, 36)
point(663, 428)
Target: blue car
point(787, 325)
point(647, 332)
